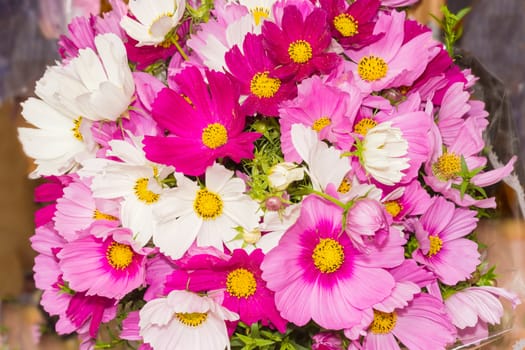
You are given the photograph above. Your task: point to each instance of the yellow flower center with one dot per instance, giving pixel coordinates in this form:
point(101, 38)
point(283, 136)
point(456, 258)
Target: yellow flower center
point(76, 129)
point(260, 13)
point(364, 125)
point(321, 123)
point(383, 322)
point(300, 51)
point(393, 208)
point(119, 255)
point(207, 205)
point(214, 135)
point(241, 283)
point(192, 319)
point(447, 166)
point(346, 25)
point(143, 193)
point(264, 87)
point(435, 245)
point(372, 68)
point(345, 186)
point(328, 255)
point(98, 215)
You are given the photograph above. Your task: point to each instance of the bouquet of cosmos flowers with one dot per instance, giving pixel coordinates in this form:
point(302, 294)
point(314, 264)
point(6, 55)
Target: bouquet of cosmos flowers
point(261, 174)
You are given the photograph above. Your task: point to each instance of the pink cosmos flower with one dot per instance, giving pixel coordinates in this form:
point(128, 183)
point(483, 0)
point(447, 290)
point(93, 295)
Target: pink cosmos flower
point(389, 62)
point(238, 278)
point(157, 269)
point(75, 310)
point(422, 325)
point(330, 114)
point(254, 71)
point(444, 167)
point(405, 201)
point(442, 247)
point(324, 278)
point(352, 24)
point(110, 268)
point(300, 45)
point(204, 122)
point(78, 210)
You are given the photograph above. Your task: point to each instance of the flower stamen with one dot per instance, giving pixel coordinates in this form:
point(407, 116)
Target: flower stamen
point(346, 25)
point(263, 86)
point(214, 135)
point(119, 255)
point(328, 255)
point(372, 68)
point(300, 51)
point(321, 123)
point(207, 205)
point(241, 283)
point(383, 322)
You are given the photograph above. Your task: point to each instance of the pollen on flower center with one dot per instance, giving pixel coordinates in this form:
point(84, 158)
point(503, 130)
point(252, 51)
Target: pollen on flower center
point(76, 129)
point(192, 319)
point(264, 87)
point(119, 255)
point(372, 68)
point(393, 208)
point(345, 186)
point(364, 125)
point(346, 25)
point(214, 135)
point(435, 245)
point(328, 255)
point(321, 123)
point(259, 13)
point(241, 283)
point(98, 215)
point(383, 322)
point(300, 51)
point(207, 205)
point(143, 192)
point(447, 166)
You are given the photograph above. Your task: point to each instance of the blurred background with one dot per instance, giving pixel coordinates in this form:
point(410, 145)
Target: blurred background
point(494, 33)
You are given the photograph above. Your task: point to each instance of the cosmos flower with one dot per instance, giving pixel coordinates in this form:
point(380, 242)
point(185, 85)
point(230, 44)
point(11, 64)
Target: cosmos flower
point(204, 122)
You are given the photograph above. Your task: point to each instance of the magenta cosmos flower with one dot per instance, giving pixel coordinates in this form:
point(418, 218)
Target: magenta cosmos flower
point(318, 274)
point(442, 247)
point(239, 278)
point(352, 25)
point(254, 71)
point(204, 123)
point(110, 268)
point(300, 45)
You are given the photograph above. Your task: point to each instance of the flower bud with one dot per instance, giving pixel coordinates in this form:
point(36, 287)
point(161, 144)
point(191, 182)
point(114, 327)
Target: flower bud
point(252, 236)
point(283, 174)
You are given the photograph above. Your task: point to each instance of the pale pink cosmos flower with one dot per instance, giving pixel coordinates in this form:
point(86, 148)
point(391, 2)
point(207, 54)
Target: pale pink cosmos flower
point(474, 308)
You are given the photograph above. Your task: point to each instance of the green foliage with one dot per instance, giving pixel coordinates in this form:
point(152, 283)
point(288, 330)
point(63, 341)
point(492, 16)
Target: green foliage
point(262, 338)
point(452, 26)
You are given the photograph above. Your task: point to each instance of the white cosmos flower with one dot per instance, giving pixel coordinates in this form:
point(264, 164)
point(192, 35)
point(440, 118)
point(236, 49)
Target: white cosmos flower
point(155, 19)
point(259, 9)
point(59, 141)
point(96, 85)
point(135, 181)
point(209, 215)
point(325, 164)
point(384, 153)
point(184, 320)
